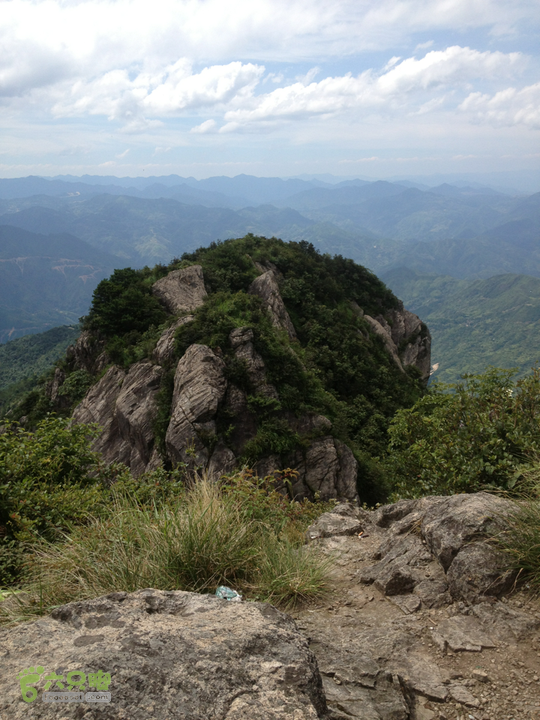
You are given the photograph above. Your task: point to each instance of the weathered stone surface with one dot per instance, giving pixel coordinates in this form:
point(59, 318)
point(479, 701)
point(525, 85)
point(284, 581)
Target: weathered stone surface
point(458, 519)
point(383, 333)
point(405, 325)
point(408, 603)
point(199, 386)
point(405, 337)
point(328, 468)
point(53, 389)
point(431, 643)
point(396, 573)
point(333, 524)
point(464, 633)
point(350, 700)
point(506, 624)
point(99, 406)
point(461, 695)
point(222, 462)
point(171, 656)
point(421, 676)
point(433, 591)
point(164, 350)
point(181, 291)
point(87, 353)
point(124, 405)
point(241, 340)
point(266, 287)
point(135, 412)
point(478, 569)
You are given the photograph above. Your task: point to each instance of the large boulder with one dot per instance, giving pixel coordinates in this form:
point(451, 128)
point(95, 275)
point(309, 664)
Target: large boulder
point(124, 406)
point(181, 291)
point(199, 387)
point(267, 288)
point(170, 656)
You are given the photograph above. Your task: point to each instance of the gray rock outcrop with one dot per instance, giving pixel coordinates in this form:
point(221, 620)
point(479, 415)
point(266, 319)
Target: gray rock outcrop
point(435, 548)
point(170, 656)
point(199, 387)
point(400, 638)
point(327, 469)
point(405, 337)
point(181, 291)
point(164, 350)
point(267, 288)
point(124, 405)
point(88, 353)
point(241, 340)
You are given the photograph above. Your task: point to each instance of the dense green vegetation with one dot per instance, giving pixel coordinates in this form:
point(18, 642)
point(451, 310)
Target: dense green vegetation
point(470, 436)
point(337, 367)
point(23, 360)
point(474, 324)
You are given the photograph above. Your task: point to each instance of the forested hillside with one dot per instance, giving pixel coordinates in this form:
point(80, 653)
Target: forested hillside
point(350, 354)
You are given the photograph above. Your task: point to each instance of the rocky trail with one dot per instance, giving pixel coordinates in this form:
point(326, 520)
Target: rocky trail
point(393, 640)
point(422, 622)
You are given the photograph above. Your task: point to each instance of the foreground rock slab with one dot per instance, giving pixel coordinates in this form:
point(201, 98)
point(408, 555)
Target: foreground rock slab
point(170, 655)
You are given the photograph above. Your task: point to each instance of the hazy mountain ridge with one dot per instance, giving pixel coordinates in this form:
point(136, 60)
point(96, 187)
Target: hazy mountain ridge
point(465, 232)
point(45, 281)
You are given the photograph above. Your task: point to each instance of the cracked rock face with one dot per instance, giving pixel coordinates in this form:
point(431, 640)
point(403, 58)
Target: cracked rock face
point(124, 405)
point(437, 545)
point(171, 656)
point(181, 291)
point(328, 469)
point(266, 287)
point(164, 351)
point(406, 339)
point(199, 387)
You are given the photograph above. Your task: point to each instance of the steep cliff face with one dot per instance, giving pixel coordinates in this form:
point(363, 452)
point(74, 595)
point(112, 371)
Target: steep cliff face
point(253, 376)
point(406, 338)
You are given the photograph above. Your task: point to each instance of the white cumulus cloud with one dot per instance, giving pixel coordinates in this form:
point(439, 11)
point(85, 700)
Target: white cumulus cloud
point(453, 67)
point(511, 106)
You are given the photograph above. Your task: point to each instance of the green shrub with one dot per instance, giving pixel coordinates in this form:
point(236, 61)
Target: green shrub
point(466, 437)
point(46, 486)
point(124, 303)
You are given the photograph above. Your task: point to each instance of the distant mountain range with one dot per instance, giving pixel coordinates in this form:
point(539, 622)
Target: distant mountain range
point(60, 236)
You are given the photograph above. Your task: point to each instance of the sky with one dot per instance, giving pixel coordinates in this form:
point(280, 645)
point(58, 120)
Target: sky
point(370, 88)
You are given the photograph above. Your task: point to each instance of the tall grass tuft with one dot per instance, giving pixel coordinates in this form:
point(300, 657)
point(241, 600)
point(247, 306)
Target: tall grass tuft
point(206, 536)
point(521, 539)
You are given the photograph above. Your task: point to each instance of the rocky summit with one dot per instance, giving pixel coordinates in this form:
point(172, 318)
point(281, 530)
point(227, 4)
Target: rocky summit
point(251, 352)
point(421, 622)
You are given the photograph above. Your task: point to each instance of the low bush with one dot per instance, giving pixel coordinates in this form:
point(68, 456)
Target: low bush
point(240, 534)
point(466, 437)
